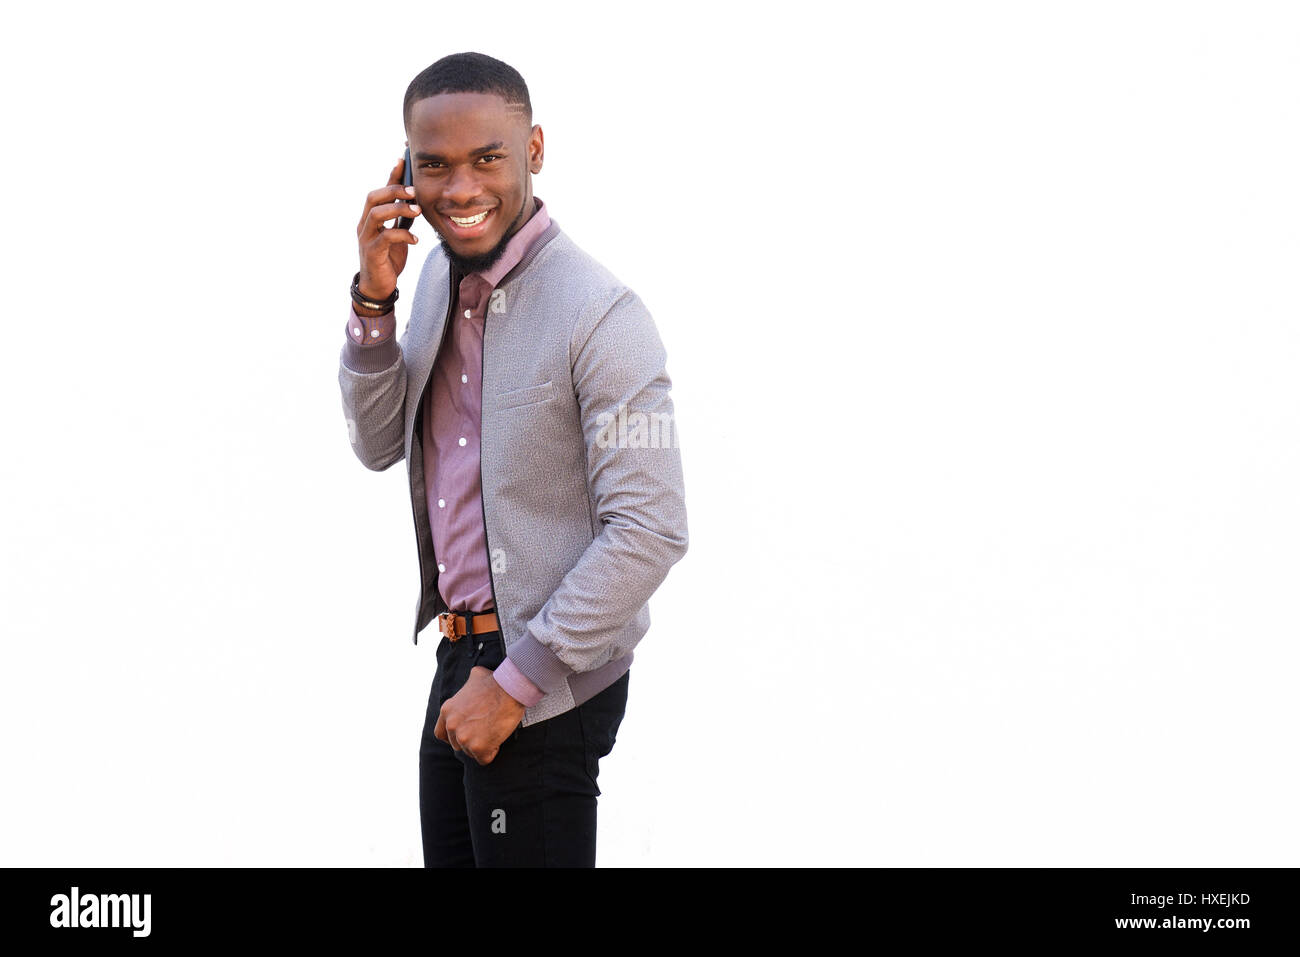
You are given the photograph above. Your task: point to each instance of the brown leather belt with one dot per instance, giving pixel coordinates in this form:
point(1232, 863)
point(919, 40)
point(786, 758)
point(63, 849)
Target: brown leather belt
point(453, 625)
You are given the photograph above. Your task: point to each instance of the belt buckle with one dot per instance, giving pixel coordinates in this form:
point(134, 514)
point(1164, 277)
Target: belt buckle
point(447, 625)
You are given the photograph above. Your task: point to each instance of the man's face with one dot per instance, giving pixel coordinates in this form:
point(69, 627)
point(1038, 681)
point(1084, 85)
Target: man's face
point(473, 153)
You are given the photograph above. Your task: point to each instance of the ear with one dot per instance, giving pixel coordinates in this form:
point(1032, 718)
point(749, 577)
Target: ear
point(536, 150)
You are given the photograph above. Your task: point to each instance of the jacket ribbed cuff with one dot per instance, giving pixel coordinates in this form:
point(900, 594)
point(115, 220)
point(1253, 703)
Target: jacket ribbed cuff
point(538, 663)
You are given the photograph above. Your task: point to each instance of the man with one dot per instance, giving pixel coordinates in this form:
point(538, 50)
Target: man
point(529, 398)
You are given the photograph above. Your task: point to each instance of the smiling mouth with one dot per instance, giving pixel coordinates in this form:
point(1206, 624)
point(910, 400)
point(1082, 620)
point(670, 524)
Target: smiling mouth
point(470, 220)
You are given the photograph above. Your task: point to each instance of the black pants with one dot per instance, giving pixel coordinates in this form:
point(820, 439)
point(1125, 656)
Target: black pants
point(534, 805)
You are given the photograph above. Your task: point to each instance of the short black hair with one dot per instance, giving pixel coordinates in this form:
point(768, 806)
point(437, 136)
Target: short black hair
point(468, 73)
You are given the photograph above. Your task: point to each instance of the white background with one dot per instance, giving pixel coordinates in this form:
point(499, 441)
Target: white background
point(982, 326)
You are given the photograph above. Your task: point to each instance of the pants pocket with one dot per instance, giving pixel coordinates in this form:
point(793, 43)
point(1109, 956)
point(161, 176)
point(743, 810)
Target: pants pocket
point(488, 652)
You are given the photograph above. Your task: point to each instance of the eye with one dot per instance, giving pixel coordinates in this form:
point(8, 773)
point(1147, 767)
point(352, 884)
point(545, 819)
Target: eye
point(490, 156)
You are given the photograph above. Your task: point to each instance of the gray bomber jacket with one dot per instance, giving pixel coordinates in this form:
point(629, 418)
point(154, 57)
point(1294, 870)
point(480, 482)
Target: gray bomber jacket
point(583, 500)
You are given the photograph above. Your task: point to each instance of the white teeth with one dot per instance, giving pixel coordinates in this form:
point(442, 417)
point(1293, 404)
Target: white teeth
point(472, 221)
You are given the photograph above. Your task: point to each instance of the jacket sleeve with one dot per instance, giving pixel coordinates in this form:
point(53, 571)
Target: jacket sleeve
point(372, 377)
point(634, 476)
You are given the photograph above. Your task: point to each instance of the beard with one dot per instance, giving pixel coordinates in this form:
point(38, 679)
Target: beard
point(464, 265)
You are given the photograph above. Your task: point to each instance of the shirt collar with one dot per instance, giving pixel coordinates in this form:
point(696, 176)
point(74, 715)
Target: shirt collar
point(518, 245)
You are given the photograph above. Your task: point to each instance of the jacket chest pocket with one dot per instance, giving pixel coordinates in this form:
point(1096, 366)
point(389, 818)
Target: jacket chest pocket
point(529, 395)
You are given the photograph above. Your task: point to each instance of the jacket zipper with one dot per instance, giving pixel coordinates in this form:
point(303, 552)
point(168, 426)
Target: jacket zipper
point(415, 427)
point(492, 586)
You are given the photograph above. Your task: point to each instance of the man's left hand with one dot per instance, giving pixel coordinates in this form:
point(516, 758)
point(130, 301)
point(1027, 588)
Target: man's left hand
point(478, 717)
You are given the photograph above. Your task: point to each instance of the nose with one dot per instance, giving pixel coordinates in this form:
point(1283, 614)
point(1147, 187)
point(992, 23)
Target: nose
point(462, 187)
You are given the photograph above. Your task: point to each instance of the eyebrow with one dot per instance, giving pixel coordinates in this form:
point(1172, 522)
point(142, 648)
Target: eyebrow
point(490, 148)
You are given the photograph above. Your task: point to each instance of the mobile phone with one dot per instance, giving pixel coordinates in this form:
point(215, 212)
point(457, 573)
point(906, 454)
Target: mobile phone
point(404, 222)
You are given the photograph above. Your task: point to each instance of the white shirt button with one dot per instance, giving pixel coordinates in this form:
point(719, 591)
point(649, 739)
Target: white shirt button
point(374, 333)
point(356, 330)
point(462, 440)
point(441, 567)
point(468, 314)
point(464, 377)
point(442, 503)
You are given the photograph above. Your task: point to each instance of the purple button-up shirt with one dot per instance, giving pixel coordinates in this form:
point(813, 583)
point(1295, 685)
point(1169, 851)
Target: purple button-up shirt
point(450, 436)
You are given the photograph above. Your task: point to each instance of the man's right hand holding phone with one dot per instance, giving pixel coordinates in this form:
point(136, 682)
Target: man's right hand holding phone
point(383, 248)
